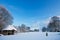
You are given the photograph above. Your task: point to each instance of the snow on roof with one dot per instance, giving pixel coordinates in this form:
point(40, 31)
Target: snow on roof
point(10, 27)
point(34, 28)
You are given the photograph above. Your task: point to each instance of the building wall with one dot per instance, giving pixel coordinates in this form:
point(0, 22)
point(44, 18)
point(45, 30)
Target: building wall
point(8, 32)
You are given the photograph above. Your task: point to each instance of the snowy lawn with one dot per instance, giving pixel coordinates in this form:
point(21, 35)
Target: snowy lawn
point(33, 36)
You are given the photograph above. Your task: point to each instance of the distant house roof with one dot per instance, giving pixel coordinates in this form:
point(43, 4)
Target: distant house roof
point(34, 28)
point(10, 27)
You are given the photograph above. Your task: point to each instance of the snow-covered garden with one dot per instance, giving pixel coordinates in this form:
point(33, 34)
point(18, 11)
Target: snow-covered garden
point(32, 36)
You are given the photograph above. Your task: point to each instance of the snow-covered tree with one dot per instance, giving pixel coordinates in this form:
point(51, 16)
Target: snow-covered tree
point(54, 24)
point(44, 29)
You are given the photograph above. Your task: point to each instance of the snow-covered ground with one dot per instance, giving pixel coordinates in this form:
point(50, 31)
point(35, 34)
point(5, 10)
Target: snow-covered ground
point(33, 36)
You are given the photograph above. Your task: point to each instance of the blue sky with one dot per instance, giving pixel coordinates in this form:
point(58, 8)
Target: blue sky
point(34, 13)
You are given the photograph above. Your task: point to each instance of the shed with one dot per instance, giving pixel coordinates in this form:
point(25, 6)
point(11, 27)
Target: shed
point(10, 30)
